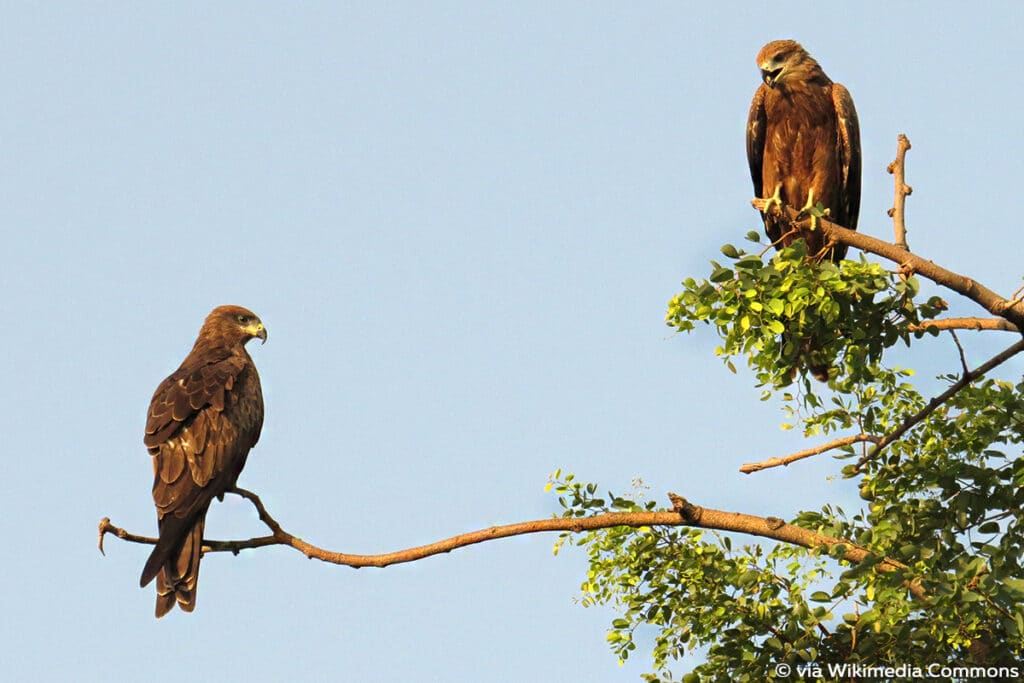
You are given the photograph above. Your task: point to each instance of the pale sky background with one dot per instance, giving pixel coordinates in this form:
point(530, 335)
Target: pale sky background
point(461, 223)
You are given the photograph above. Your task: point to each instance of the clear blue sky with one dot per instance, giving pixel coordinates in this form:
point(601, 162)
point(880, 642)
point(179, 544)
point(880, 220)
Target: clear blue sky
point(461, 223)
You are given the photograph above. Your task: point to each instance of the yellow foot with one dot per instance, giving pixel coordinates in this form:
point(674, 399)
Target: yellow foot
point(808, 209)
point(765, 205)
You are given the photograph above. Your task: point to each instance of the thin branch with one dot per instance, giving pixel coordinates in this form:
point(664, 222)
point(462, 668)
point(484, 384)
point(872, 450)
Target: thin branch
point(749, 467)
point(898, 170)
point(960, 350)
point(107, 528)
point(965, 324)
point(776, 244)
point(683, 514)
point(1018, 295)
point(920, 415)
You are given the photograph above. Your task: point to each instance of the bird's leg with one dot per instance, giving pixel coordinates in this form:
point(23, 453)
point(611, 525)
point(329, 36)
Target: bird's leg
point(765, 205)
point(808, 210)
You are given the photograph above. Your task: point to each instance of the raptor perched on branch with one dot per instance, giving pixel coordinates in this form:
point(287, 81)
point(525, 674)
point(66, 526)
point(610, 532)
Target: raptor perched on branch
point(803, 147)
point(202, 421)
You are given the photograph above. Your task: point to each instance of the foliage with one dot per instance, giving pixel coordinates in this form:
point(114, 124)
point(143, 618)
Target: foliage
point(945, 499)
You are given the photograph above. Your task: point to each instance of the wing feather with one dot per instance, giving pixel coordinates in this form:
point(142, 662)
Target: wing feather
point(198, 431)
point(849, 141)
point(195, 447)
point(171, 465)
point(757, 123)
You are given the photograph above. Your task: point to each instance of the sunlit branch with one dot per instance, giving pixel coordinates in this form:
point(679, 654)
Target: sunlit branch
point(774, 528)
point(920, 415)
point(749, 467)
point(898, 170)
point(965, 324)
point(683, 514)
point(1012, 311)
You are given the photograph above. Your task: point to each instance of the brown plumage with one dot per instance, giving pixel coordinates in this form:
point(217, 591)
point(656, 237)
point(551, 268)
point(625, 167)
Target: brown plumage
point(802, 138)
point(803, 147)
point(202, 421)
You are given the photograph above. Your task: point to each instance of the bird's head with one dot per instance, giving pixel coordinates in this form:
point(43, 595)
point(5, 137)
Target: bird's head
point(780, 60)
point(233, 325)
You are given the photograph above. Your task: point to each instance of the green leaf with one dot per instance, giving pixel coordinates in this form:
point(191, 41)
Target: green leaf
point(721, 274)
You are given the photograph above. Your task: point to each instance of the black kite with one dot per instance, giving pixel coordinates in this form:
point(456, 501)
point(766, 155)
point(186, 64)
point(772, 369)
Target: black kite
point(202, 421)
point(803, 144)
point(803, 147)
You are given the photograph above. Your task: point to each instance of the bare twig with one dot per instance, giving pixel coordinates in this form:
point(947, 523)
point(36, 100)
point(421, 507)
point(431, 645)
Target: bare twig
point(898, 170)
point(1018, 295)
point(683, 514)
point(960, 350)
point(920, 415)
point(749, 467)
point(965, 324)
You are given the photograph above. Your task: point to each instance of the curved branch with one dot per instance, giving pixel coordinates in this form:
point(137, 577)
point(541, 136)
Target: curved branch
point(683, 514)
point(749, 467)
point(920, 415)
point(1011, 310)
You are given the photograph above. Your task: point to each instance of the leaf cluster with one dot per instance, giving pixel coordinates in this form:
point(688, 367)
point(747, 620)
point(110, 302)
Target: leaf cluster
point(790, 312)
point(944, 501)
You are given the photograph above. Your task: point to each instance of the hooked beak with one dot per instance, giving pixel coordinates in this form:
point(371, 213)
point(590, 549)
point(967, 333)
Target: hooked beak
point(771, 76)
point(258, 330)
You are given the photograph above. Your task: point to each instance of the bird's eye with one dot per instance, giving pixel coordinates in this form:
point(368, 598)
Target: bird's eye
point(779, 57)
point(244, 319)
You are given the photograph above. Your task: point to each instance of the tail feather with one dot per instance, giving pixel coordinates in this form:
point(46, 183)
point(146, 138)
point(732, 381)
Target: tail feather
point(172, 530)
point(177, 571)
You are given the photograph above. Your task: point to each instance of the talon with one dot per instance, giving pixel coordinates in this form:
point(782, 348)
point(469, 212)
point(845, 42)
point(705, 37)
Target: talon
point(810, 202)
point(765, 205)
point(806, 210)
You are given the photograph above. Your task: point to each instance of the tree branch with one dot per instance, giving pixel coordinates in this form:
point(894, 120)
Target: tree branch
point(882, 441)
point(965, 324)
point(920, 415)
point(750, 467)
point(1012, 311)
point(960, 350)
point(902, 191)
point(775, 528)
point(683, 514)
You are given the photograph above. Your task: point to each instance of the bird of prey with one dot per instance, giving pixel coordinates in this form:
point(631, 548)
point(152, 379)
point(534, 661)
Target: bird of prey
point(202, 421)
point(803, 145)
